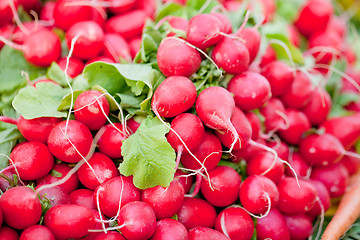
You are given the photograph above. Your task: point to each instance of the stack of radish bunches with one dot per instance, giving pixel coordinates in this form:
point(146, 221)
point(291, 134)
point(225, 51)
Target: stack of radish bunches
point(173, 120)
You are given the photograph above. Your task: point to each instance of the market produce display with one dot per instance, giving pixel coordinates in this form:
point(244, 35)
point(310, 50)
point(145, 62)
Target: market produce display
point(179, 120)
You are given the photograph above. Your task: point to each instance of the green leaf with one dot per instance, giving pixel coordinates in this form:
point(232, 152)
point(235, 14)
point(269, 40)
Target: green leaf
point(288, 9)
point(204, 5)
point(42, 101)
point(128, 100)
point(8, 138)
point(169, 9)
point(151, 39)
point(57, 74)
point(148, 156)
point(80, 83)
point(66, 101)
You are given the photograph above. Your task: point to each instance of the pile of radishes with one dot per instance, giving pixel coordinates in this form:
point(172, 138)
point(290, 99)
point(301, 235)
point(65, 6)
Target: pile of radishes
point(184, 120)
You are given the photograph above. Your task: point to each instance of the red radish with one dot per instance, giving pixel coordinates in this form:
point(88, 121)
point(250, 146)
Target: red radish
point(21, 33)
point(20, 203)
point(251, 90)
point(32, 160)
point(231, 55)
point(204, 31)
point(7, 233)
point(300, 226)
point(98, 228)
point(100, 59)
point(324, 201)
point(196, 212)
point(268, 57)
point(83, 197)
point(181, 99)
point(177, 23)
point(60, 171)
point(121, 6)
point(149, 6)
point(275, 117)
point(68, 135)
point(255, 193)
point(273, 226)
point(256, 125)
point(67, 13)
point(301, 167)
point(138, 221)
point(6, 14)
point(318, 107)
point(268, 9)
point(115, 192)
point(134, 46)
point(128, 25)
point(294, 199)
point(185, 180)
point(235, 223)
point(252, 39)
point(111, 140)
point(205, 233)
point(248, 152)
point(165, 202)
point(225, 183)
point(91, 108)
point(232, 5)
point(6, 32)
point(54, 195)
point(116, 47)
point(39, 232)
point(112, 235)
point(7, 179)
point(325, 46)
point(298, 125)
point(294, 35)
point(338, 25)
point(88, 39)
point(335, 177)
point(279, 75)
point(47, 11)
point(75, 67)
point(133, 124)
point(102, 169)
point(183, 60)
point(69, 221)
point(263, 163)
point(280, 147)
point(351, 163)
point(314, 16)
point(170, 229)
point(321, 150)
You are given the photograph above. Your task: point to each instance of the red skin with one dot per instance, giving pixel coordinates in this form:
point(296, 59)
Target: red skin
point(39, 232)
point(66, 16)
point(280, 147)
point(91, 113)
point(121, 6)
point(254, 191)
point(314, 17)
point(231, 55)
point(183, 60)
point(111, 140)
point(19, 36)
point(279, 75)
point(104, 168)
point(47, 11)
point(69, 221)
point(79, 135)
point(42, 55)
point(205, 233)
point(186, 181)
point(100, 59)
point(295, 200)
point(252, 39)
point(300, 166)
point(338, 25)
point(170, 229)
point(116, 47)
point(352, 164)
point(68, 186)
point(273, 112)
point(6, 14)
point(298, 125)
point(197, 212)
point(5, 184)
point(165, 202)
point(325, 39)
point(251, 90)
point(178, 23)
point(83, 197)
point(6, 31)
point(237, 223)
point(110, 235)
point(7, 233)
point(324, 198)
point(182, 98)
point(109, 194)
point(33, 160)
point(268, 57)
point(318, 108)
point(91, 40)
point(227, 26)
point(142, 219)
point(37, 129)
point(20, 203)
point(256, 125)
point(261, 162)
point(76, 66)
point(300, 226)
point(273, 226)
point(134, 45)
point(56, 195)
point(294, 35)
point(132, 125)
point(226, 184)
point(128, 25)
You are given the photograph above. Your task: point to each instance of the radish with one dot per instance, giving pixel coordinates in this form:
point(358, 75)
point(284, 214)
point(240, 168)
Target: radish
point(256, 125)
point(205, 233)
point(325, 46)
point(248, 152)
point(116, 47)
point(268, 57)
point(170, 229)
point(227, 25)
point(178, 23)
point(351, 163)
point(70, 141)
point(138, 221)
point(20, 34)
point(6, 32)
point(111, 235)
point(280, 147)
point(300, 226)
point(83, 197)
point(294, 199)
point(47, 11)
point(100, 59)
point(111, 140)
point(181, 99)
point(301, 167)
point(69, 221)
point(184, 179)
point(102, 169)
point(252, 39)
point(32, 160)
point(275, 117)
point(225, 182)
point(91, 108)
point(184, 60)
point(294, 35)
point(134, 46)
point(318, 107)
point(263, 163)
point(196, 212)
point(324, 201)
point(20, 203)
point(7, 179)
point(54, 195)
point(6, 13)
point(279, 75)
point(114, 194)
point(165, 202)
point(235, 223)
point(258, 194)
point(273, 226)
point(121, 6)
point(75, 67)
point(7, 233)
point(39, 232)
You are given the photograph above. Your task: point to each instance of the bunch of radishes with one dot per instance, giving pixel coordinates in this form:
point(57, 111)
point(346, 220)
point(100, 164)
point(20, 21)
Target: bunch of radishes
point(258, 155)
